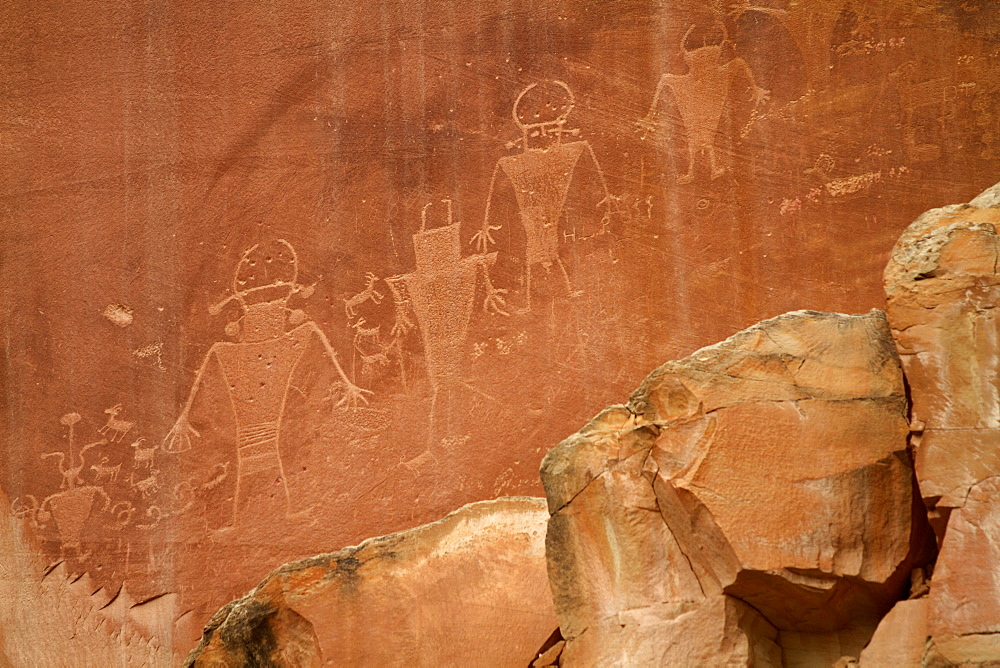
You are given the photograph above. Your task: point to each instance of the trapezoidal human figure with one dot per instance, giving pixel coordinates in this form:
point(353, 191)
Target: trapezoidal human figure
point(544, 175)
point(277, 350)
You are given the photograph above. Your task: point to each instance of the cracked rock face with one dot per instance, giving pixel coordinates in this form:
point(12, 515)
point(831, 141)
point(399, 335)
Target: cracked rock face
point(469, 586)
point(943, 291)
point(770, 469)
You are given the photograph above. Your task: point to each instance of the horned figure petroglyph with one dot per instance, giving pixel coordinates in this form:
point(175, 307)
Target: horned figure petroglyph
point(369, 293)
point(257, 369)
point(102, 471)
point(541, 175)
point(118, 428)
point(143, 456)
point(442, 293)
point(701, 95)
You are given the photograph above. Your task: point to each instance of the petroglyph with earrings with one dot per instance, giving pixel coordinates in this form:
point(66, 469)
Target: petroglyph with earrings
point(258, 368)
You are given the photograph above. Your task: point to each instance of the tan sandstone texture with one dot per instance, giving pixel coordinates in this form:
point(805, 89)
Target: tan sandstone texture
point(50, 617)
point(943, 289)
point(759, 490)
point(468, 588)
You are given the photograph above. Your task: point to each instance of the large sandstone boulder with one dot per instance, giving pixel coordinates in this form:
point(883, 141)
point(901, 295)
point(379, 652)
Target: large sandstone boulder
point(771, 468)
point(943, 290)
point(469, 586)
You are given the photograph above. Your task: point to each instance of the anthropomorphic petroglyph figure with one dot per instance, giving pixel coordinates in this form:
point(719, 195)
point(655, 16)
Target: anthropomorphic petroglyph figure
point(118, 428)
point(925, 104)
point(541, 175)
point(258, 369)
point(701, 96)
point(71, 507)
point(811, 23)
point(442, 292)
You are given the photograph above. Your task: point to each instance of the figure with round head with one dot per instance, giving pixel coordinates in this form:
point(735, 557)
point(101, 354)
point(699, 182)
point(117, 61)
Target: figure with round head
point(542, 175)
point(274, 345)
point(701, 96)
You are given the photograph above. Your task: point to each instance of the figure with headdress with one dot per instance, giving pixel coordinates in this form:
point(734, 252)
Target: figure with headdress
point(701, 95)
point(274, 346)
point(541, 175)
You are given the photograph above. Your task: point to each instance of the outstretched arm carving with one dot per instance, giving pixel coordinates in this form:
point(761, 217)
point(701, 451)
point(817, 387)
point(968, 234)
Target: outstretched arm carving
point(483, 238)
point(178, 439)
point(353, 395)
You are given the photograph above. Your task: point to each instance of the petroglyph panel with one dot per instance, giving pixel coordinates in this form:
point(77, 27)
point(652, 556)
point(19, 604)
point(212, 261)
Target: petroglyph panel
point(278, 281)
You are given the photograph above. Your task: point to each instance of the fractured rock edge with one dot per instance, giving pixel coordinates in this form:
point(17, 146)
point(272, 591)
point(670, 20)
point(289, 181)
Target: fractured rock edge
point(943, 288)
point(621, 439)
point(50, 615)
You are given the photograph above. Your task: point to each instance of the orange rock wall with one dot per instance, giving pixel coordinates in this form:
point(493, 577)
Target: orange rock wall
point(280, 277)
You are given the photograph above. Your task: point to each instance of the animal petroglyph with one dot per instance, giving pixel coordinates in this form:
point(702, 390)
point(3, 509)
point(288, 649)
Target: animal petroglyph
point(369, 293)
point(143, 456)
point(701, 96)
point(118, 428)
point(152, 350)
point(147, 485)
point(365, 335)
point(541, 175)
point(258, 368)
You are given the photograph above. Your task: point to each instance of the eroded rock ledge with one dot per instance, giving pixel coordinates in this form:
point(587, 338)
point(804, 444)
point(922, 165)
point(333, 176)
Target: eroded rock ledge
point(448, 593)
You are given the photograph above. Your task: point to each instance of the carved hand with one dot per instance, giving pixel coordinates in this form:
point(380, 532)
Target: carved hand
point(482, 239)
point(353, 395)
point(178, 439)
point(495, 302)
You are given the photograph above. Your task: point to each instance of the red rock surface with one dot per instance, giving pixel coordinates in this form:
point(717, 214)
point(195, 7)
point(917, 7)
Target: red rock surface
point(51, 617)
point(146, 147)
point(470, 589)
point(771, 467)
